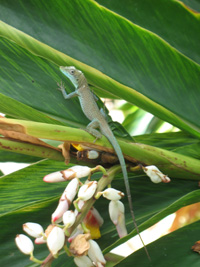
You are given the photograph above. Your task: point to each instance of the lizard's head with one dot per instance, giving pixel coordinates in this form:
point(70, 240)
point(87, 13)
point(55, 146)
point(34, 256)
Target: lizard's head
point(72, 73)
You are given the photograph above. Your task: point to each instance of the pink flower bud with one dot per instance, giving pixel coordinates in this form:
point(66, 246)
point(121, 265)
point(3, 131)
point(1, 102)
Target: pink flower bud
point(83, 261)
point(69, 174)
point(155, 174)
point(54, 177)
point(55, 240)
point(66, 199)
point(69, 218)
point(40, 240)
point(112, 194)
point(61, 208)
point(24, 244)
point(33, 229)
point(95, 253)
point(116, 212)
point(87, 190)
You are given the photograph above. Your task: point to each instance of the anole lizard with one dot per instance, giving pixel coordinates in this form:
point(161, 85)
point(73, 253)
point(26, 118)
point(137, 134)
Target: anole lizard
point(92, 112)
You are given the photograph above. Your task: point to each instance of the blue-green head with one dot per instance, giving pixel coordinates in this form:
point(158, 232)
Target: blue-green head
point(73, 74)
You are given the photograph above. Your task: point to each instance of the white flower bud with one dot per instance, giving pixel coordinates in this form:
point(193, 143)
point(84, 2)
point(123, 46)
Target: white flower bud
point(115, 208)
point(116, 212)
point(55, 240)
point(24, 244)
point(93, 154)
point(66, 199)
point(79, 171)
point(83, 261)
point(155, 174)
point(69, 218)
point(71, 190)
point(95, 253)
point(112, 194)
point(33, 229)
point(87, 190)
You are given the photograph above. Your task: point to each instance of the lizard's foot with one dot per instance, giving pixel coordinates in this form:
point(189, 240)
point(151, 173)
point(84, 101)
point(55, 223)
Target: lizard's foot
point(95, 133)
point(61, 86)
point(91, 128)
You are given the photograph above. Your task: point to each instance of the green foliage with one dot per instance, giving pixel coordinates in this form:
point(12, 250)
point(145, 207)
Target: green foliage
point(145, 52)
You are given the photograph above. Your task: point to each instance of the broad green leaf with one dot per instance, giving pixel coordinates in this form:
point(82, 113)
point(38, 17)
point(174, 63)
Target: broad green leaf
point(193, 4)
point(6, 156)
point(178, 142)
point(181, 25)
point(171, 250)
point(169, 141)
point(17, 109)
point(21, 183)
point(190, 150)
point(139, 57)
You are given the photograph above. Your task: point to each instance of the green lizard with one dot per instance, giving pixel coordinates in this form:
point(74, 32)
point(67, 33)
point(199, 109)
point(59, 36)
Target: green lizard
point(97, 118)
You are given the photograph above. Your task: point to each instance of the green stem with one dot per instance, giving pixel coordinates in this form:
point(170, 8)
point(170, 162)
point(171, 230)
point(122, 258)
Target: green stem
point(85, 229)
point(32, 258)
point(76, 204)
point(135, 168)
point(65, 229)
point(67, 251)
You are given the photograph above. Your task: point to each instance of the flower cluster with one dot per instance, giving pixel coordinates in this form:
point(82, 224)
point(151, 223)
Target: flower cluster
point(71, 229)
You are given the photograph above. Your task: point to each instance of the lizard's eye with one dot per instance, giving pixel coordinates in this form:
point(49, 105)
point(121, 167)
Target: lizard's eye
point(72, 72)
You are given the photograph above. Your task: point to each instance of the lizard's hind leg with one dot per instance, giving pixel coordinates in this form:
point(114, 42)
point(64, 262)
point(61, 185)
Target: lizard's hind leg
point(91, 128)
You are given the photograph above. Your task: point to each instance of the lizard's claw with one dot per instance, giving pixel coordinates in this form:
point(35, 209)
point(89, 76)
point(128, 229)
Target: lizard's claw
point(94, 132)
point(61, 86)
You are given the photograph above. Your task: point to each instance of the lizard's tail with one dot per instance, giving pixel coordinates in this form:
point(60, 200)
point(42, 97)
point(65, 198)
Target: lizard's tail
point(119, 153)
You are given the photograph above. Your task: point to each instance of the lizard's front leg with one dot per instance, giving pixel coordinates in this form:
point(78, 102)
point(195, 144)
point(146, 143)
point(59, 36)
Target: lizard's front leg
point(61, 87)
point(91, 128)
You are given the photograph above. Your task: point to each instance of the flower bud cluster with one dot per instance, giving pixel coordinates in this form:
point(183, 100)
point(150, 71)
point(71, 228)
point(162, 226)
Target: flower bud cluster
point(79, 235)
point(56, 236)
